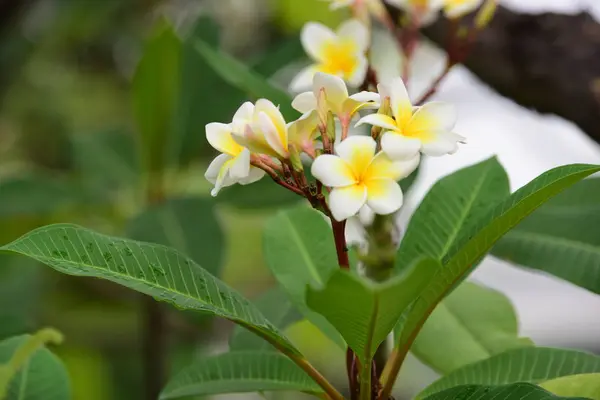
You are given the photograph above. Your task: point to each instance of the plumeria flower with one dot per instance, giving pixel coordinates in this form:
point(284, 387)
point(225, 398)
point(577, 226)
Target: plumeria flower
point(360, 177)
point(340, 53)
point(233, 165)
point(412, 129)
point(304, 131)
point(459, 8)
point(261, 128)
point(425, 11)
point(336, 94)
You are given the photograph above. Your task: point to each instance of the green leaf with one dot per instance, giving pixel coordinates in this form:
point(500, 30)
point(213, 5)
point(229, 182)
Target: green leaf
point(481, 234)
point(155, 89)
point(276, 306)
point(183, 224)
point(299, 250)
point(449, 208)
point(42, 377)
point(158, 271)
point(474, 323)
point(364, 312)
point(530, 364)
point(239, 372)
point(240, 76)
point(264, 194)
point(517, 391)
point(584, 385)
point(561, 238)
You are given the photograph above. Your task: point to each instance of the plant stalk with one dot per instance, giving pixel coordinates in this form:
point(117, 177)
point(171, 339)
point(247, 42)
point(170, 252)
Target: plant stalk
point(365, 381)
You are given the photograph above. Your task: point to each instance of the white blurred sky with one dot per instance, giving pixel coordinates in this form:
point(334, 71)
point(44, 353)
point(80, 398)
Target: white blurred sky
point(552, 312)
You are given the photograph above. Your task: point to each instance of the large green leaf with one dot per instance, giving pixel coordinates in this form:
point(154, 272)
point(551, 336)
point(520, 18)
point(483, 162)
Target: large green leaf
point(243, 78)
point(155, 89)
point(449, 208)
point(530, 364)
point(42, 377)
point(264, 194)
point(158, 271)
point(474, 323)
point(250, 371)
point(517, 391)
point(186, 224)
point(584, 385)
point(474, 242)
point(364, 312)
point(276, 306)
point(299, 250)
point(561, 238)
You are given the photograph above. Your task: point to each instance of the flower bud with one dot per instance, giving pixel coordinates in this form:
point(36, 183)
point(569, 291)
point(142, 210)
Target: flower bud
point(485, 14)
point(330, 127)
point(295, 159)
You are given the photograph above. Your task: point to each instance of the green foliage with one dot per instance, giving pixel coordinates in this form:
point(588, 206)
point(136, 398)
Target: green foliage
point(530, 364)
point(450, 208)
point(155, 88)
point(300, 251)
point(30, 371)
point(240, 76)
point(365, 312)
point(561, 238)
point(263, 194)
point(480, 236)
point(473, 323)
point(276, 306)
point(518, 391)
point(237, 372)
point(585, 385)
point(152, 269)
point(183, 224)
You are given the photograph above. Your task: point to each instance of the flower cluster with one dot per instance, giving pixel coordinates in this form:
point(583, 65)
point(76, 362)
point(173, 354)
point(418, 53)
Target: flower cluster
point(350, 175)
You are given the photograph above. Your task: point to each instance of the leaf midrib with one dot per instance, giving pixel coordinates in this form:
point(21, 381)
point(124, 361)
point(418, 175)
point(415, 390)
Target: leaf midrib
point(177, 392)
point(305, 253)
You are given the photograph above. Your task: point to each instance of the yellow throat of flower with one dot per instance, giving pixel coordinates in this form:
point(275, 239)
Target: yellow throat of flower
point(339, 58)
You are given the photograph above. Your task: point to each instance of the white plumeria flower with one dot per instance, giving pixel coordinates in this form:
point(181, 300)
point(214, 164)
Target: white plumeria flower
point(261, 128)
point(459, 8)
point(233, 165)
point(358, 176)
point(412, 129)
point(336, 94)
point(355, 231)
point(425, 10)
point(340, 53)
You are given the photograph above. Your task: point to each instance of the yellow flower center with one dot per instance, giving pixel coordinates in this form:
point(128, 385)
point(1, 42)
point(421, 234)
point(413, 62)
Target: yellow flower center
point(340, 57)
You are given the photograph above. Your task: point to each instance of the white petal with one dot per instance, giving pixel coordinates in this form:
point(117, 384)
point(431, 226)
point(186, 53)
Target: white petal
point(360, 72)
point(244, 113)
point(217, 173)
point(337, 4)
point(344, 202)
point(355, 31)
point(380, 120)
point(399, 147)
point(384, 196)
point(335, 89)
point(304, 79)
point(383, 167)
point(219, 137)
point(365, 97)
point(400, 102)
point(357, 152)
point(240, 165)
point(366, 215)
point(355, 231)
point(442, 143)
point(332, 171)
point(305, 102)
point(271, 134)
point(254, 175)
point(434, 116)
point(459, 10)
point(314, 37)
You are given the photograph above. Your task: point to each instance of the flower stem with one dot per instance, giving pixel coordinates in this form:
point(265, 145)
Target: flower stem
point(339, 237)
point(365, 381)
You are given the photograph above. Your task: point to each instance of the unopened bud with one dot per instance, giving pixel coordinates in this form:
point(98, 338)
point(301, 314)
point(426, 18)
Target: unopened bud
point(322, 107)
point(331, 127)
point(295, 159)
point(384, 109)
point(485, 14)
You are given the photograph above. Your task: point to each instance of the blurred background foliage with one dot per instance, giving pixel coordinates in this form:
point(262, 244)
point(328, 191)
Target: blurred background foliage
point(96, 122)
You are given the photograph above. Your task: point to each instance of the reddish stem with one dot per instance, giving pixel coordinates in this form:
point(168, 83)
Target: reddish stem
point(434, 86)
point(340, 243)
